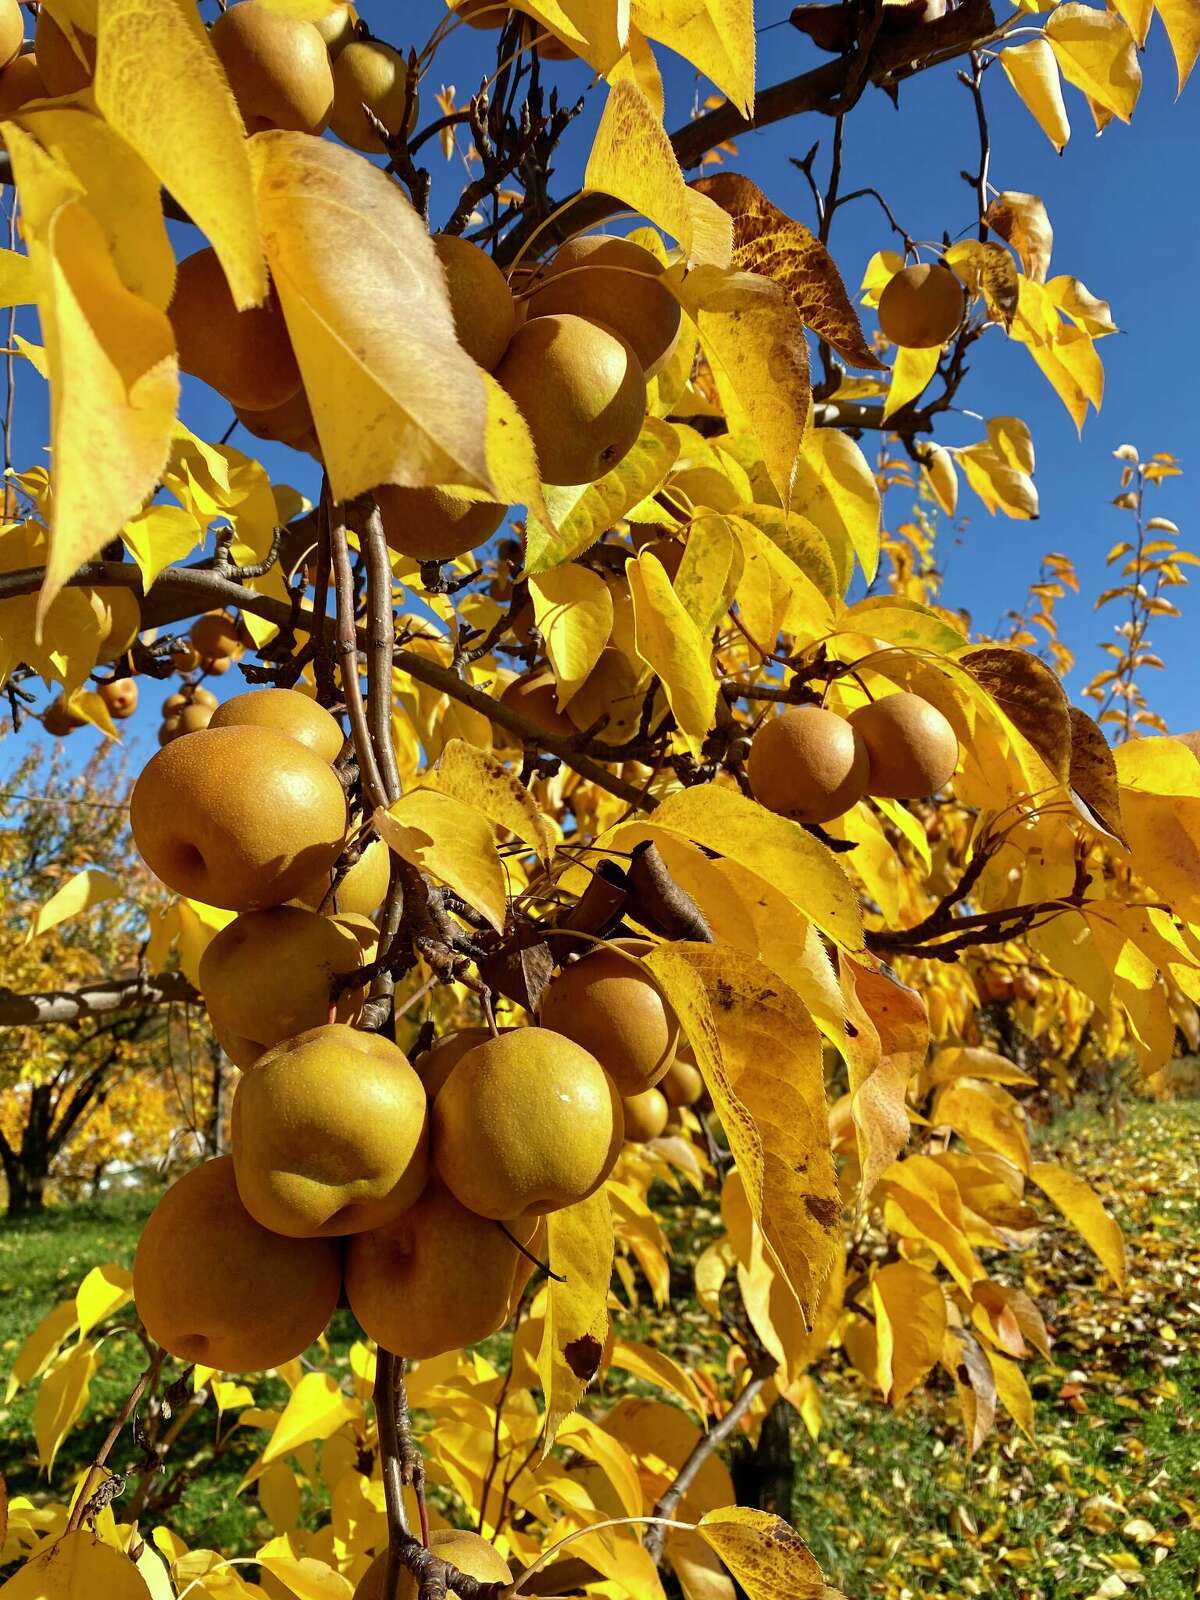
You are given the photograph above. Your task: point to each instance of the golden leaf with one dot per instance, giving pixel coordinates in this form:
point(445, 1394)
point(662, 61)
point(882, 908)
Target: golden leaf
point(912, 372)
point(1012, 1390)
point(573, 609)
point(579, 1247)
point(1182, 22)
point(772, 244)
point(765, 1554)
point(910, 1325)
point(988, 270)
point(986, 1117)
point(1093, 775)
point(937, 465)
point(1096, 52)
point(62, 1399)
point(476, 778)
point(836, 489)
point(717, 38)
point(886, 1047)
point(1081, 1206)
point(1030, 696)
point(1033, 73)
point(1000, 485)
point(671, 644)
point(78, 1564)
point(1021, 220)
point(452, 841)
point(80, 893)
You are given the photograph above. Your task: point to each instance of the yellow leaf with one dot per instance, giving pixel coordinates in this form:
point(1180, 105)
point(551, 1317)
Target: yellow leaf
point(579, 1245)
point(902, 622)
point(1139, 14)
point(1022, 220)
point(478, 779)
point(105, 1290)
point(640, 67)
point(631, 158)
point(451, 840)
point(912, 372)
point(573, 608)
point(512, 463)
point(1033, 72)
point(824, 560)
point(910, 1325)
point(121, 192)
point(301, 1575)
point(80, 892)
point(884, 1043)
point(987, 269)
point(394, 397)
point(18, 281)
point(580, 1433)
point(1084, 308)
point(61, 1400)
point(1081, 1206)
point(584, 511)
point(160, 85)
point(1012, 1390)
point(710, 571)
point(998, 484)
point(717, 38)
point(113, 376)
point(158, 536)
point(773, 593)
point(986, 1117)
point(774, 849)
point(765, 1554)
point(42, 1345)
point(1011, 439)
point(1182, 21)
point(845, 500)
point(656, 1367)
point(1096, 52)
point(759, 1052)
point(923, 1202)
point(593, 29)
point(964, 1061)
point(698, 1568)
point(77, 1567)
point(671, 644)
point(316, 1409)
point(754, 340)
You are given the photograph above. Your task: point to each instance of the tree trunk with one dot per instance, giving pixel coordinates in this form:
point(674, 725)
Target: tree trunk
point(766, 1476)
point(26, 1189)
point(216, 1116)
point(28, 1168)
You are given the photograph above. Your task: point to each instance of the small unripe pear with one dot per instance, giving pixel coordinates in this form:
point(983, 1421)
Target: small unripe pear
point(525, 1124)
point(535, 697)
point(245, 355)
point(369, 72)
point(681, 1084)
point(185, 657)
point(582, 392)
point(435, 524)
point(213, 1286)
point(645, 1115)
point(922, 306)
point(290, 422)
point(608, 1003)
point(330, 1133)
point(485, 314)
point(613, 688)
point(58, 719)
point(169, 730)
point(277, 66)
point(298, 715)
point(808, 764)
point(215, 633)
point(194, 694)
point(120, 695)
point(612, 281)
point(912, 748)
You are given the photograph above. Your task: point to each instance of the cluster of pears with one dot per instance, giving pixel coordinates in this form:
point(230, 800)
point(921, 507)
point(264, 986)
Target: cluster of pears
point(416, 1190)
point(812, 765)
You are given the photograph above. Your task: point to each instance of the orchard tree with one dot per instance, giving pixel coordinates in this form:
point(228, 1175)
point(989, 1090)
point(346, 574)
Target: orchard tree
point(603, 814)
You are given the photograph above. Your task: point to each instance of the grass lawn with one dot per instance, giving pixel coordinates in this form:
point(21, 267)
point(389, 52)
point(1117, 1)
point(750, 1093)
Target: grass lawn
point(1105, 1501)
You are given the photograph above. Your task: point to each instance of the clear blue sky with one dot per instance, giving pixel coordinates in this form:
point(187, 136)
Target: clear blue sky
point(1123, 211)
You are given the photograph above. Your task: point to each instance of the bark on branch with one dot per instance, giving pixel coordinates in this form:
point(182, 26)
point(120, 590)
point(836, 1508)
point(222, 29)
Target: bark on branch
point(92, 1000)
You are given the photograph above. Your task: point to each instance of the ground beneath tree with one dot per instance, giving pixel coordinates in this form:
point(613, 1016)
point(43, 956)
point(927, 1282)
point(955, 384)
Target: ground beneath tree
point(1105, 1502)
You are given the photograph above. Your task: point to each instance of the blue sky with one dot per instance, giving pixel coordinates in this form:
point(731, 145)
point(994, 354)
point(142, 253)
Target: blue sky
point(1123, 211)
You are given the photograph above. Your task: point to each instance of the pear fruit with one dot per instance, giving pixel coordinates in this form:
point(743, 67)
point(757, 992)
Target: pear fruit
point(195, 694)
point(238, 817)
point(996, 985)
point(438, 1278)
point(535, 696)
point(612, 281)
point(290, 422)
point(246, 356)
point(20, 82)
point(298, 715)
point(582, 392)
point(525, 1124)
point(120, 695)
point(614, 688)
point(338, 28)
point(608, 1003)
point(435, 524)
point(369, 72)
point(360, 891)
point(922, 306)
point(268, 975)
point(330, 1133)
point(169, 730)
point(444, 1054)
point(60, 67)
point(58, 719)
point(912, 748)
point(682, 1083)
point(808, 764)
point(193, 718)
point(469, 1552)
point(215, 634)
point(485, 314)
point(277, 66)
point(645, 1115)
point(214, 1287)
point(12, 31)
point(1026, 985)
point(185, 657)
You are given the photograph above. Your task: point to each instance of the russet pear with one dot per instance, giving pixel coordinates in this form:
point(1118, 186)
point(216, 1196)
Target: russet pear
point(435, 524)
point(438, 1278)
point(20, 82)
point(12, 31)
point(469, 1552)
point(120, 695)
point(369, 72)
point(359, 891)
point(608, 1003)
point(922, 306)
point(214, 1287)
point(582, 392)
point(195, 694)
point(330, 1133)
point(612, 281)
point(194, 717)
point(485, 314)
point(238, 817)
point(59, 64)
point(290, 422)
point(269, 975)
point(246, 356)
point(298, 715)
point(682, 1083)
point(525, 1124)
point(535, 696)
point(645, 1115)
point(277, 66)
point(58, 719)
point(614, 688)
point(808, 764)
point(338, 28)
point(911, 746)
point(444, 1054)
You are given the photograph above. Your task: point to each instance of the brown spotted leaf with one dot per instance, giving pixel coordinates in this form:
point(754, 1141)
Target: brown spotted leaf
point(765, 1554)
point(772, 244)
point(1094, 786)
point(579, 1245)
point(1031, 697)
point(988, 270)
point(1021, 220)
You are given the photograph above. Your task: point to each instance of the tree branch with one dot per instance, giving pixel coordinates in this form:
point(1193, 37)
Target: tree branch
point(52, 1006)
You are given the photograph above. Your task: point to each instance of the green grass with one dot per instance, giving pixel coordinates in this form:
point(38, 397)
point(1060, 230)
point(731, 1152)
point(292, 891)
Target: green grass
point(890, 1504)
